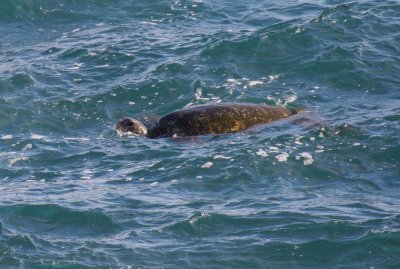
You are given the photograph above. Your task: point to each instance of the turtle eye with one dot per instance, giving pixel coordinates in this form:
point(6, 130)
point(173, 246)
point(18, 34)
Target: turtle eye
point(129, 123)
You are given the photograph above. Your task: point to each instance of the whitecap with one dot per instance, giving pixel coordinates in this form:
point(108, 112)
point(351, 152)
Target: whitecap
point(27, 147)
point(282, 157)
point(261, 153)
point(221, 157)
point(38, 137)
point(102, 66)
point(207, 165)
point(307, 158)
point(255, 83)
point(196, 218)
point(11, 162)
point(273, 149)
point(78, 139)
point(284, 101)
point(272, 78)
point(75, 66)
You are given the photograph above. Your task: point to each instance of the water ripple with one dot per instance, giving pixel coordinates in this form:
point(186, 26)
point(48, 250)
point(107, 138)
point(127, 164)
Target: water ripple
point(75, 194)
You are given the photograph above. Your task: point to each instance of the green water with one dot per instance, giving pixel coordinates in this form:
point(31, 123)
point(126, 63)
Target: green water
point(323, 193)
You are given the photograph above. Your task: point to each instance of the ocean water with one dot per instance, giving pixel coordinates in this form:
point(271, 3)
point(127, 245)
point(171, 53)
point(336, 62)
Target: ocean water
point(319, 192)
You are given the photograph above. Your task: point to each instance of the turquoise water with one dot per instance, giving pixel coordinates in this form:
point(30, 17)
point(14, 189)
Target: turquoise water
point(74, 194)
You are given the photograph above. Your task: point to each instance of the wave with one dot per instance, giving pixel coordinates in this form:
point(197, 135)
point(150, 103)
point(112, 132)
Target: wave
point(50, 219)
point(37, 12)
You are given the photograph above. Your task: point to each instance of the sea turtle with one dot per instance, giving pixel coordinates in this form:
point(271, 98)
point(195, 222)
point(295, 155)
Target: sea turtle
point(207, 119)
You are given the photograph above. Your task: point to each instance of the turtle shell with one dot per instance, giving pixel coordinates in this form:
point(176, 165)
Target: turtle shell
point(217, 119)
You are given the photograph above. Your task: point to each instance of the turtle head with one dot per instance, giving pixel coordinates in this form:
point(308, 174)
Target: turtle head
point(129, 125)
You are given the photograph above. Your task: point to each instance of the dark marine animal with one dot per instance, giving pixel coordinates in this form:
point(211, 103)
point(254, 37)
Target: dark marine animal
point(207, 119)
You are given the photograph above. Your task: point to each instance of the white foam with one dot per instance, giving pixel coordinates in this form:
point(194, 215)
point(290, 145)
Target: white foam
point(307, 158)
point(215, 157)
point(282, 157)
point(306, 155)
point(198, 94)
point(130, 134)
point(102, 65)
point(75, 66)
point(202, 215)
point(6, 137)
point(207, 165)
point(231, 84)
point(148, 23)
point(273, 149)
point(308, 161)
point(284, 101)
point(272, 78)
point(255, 83)
point(13, 161)
point(38, 137)
point(79, 139)
point(262, 153)
point(27, 147)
